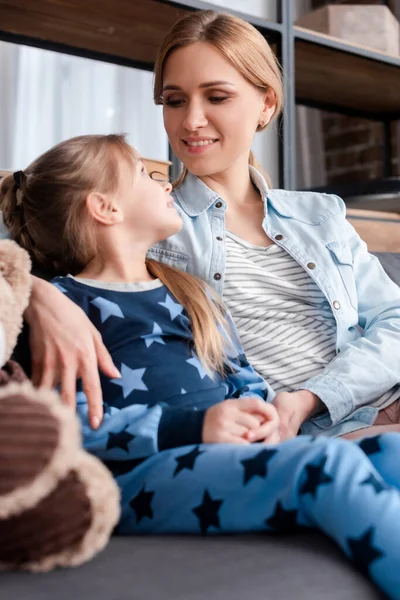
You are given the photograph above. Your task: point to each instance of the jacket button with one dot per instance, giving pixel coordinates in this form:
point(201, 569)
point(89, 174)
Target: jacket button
point(218, 205)
point(219, 238)
point(217, 276)
point(279, 237)
point(336, 304)
point(311, 266)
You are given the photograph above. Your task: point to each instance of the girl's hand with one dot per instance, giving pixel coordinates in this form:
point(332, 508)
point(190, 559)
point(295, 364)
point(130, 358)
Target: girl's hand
point(66, 346)
point(294, 408)
point(229, 422)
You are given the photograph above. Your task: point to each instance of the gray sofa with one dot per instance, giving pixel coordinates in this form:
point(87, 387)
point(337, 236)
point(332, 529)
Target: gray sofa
point(305, 566)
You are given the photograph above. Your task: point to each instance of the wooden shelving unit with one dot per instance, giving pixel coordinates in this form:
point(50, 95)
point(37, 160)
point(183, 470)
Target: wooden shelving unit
point(333, 74)
point(319, 70)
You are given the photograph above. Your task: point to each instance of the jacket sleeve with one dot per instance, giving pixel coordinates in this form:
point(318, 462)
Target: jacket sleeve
point(369, 366)
point(241, 379)
point(138, 431)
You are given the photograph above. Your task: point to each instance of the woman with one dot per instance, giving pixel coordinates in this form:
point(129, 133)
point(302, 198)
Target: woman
point(298, 280)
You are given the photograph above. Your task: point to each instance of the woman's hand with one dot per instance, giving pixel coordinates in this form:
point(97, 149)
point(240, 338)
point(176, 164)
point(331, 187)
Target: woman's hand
point(66, 346)
point(230, 422)
point(293, 409)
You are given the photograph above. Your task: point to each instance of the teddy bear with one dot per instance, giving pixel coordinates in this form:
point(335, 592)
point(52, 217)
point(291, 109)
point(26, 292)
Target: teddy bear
point(58, 504)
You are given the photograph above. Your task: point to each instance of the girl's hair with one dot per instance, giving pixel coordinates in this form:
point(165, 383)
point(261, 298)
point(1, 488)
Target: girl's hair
point(238, 41)
point(44, 208)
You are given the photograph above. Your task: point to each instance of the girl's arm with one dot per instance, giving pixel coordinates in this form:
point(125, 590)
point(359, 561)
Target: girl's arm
point(66, 346)
point(369, 366)
point(138, 431)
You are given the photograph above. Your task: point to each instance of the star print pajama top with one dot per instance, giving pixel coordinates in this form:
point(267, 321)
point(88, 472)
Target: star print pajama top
point(151, 440)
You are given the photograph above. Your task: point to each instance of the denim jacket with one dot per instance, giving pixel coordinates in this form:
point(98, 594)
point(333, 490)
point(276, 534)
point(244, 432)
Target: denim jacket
point(313, 229)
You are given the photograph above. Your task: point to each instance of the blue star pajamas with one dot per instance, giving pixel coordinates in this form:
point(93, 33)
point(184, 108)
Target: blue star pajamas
point(170, 482)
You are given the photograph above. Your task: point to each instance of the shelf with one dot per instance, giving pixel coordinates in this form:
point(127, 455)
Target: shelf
point(335, 75)
point(264, 25)
point(121, 31)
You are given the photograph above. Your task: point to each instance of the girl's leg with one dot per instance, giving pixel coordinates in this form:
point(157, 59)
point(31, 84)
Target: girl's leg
point(325, 483)
point(384, 453)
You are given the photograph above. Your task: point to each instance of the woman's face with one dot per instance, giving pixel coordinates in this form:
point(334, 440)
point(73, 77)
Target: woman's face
point(211, 112)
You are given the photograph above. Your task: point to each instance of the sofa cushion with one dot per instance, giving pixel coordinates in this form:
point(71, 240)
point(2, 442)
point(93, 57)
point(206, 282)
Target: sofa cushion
point(254, 567)
point(391, 263)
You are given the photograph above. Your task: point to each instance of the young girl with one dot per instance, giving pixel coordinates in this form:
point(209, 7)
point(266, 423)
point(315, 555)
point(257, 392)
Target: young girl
point(176, 420)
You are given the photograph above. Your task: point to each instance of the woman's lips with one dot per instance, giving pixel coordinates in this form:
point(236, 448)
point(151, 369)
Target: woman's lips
point(199, 146)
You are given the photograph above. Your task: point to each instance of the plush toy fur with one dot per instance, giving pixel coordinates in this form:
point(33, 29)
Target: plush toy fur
point(58, 504)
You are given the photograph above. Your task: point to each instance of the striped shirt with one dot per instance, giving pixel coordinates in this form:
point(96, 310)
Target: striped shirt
point(285, 322)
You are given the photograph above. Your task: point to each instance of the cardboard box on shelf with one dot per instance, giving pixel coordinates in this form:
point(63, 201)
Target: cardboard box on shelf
point(366, 25)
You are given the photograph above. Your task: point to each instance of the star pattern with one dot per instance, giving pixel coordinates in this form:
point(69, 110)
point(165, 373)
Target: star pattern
point(283, 520)
point(174, 308)
point(183, 391)
point(121, 467)
point(362, 552)
point(195, 362)
point(187, 461)
point(239, 392)
point(141, 505)
point(370, 445)
point(119, 440)
point(375, 483)
point(242, 360)
point(316, 476)
point(107, 308)
point(257, 466)
point(154, 337)
point(60, 287)
point(131, 379)
point(207, 512)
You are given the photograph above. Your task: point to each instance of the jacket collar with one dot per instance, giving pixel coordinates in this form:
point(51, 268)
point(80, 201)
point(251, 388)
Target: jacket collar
point(195, 197)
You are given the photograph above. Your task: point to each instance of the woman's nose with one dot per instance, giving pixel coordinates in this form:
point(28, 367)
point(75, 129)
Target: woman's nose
point(195, 117)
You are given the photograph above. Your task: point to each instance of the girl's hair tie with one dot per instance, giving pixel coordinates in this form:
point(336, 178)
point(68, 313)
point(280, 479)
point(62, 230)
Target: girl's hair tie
point(19, 177)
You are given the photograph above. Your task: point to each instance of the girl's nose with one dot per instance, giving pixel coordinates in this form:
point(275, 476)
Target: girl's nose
point(167, 187)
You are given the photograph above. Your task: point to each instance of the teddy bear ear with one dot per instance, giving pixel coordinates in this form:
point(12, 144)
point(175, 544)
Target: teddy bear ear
point(15, 268)
point(15, 287)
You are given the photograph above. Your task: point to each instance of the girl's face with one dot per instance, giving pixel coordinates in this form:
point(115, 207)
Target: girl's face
point(147, 206)
point(211, 112)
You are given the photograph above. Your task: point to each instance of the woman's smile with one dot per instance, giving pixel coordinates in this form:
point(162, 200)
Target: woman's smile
point(198, 145)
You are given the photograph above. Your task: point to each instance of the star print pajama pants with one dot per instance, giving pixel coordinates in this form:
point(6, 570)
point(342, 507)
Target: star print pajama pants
point(349, 491)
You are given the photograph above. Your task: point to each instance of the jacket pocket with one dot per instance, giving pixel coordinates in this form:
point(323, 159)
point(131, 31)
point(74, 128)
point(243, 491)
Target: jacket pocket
point(343, 260)
point(169, 257)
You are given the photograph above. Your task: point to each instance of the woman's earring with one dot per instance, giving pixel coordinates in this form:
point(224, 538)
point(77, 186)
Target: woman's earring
point(262, 123)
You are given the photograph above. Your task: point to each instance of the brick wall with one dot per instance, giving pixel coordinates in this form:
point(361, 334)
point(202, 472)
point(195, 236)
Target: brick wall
point(354, 147)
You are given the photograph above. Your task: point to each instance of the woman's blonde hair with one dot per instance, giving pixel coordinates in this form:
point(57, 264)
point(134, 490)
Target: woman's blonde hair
point(44, 208)
point(238, 41)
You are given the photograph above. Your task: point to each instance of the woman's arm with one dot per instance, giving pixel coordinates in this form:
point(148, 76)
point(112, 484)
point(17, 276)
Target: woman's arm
point(369, 366)
point(65, 346)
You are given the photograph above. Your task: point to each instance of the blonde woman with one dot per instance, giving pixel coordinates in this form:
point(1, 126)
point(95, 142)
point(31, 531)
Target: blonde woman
point(177, 419)
point(317, 315)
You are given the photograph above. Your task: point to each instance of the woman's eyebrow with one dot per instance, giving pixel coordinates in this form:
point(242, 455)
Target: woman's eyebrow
point(202, 85)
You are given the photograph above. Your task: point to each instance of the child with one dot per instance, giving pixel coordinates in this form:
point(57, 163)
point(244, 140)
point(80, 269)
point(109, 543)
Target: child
point(178, 421)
